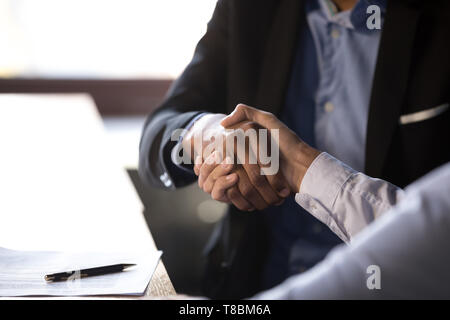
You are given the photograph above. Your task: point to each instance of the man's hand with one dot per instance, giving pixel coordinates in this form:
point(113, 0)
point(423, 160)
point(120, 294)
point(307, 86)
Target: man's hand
point(253, 190)
point(202, 134)
point(214, 178)
point(296, 155)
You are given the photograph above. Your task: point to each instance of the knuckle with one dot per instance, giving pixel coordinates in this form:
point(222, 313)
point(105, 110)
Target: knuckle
point(249, 125)
point(217, 174)
point(219, 195)
point(277, 185)
point(215, 196)
point(257, 179)
point(202, 170)
point(207, 186)
point(247, 191)
point(274, 200)
point(233, 193)
point(242, 206)
point(241, 108)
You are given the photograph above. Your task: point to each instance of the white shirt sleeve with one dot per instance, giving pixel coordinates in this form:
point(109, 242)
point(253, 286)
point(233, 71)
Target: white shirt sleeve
point(403, 255)
point(342, 198)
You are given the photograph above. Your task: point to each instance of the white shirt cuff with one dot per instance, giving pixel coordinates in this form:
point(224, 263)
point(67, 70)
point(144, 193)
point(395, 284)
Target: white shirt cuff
point(321, 186)
point(324, 178)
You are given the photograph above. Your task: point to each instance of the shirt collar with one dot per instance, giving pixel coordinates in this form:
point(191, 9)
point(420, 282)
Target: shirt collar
point(353, 19)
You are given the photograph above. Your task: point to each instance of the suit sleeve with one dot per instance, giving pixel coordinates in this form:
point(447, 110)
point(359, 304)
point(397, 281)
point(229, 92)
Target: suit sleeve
point(201, 88)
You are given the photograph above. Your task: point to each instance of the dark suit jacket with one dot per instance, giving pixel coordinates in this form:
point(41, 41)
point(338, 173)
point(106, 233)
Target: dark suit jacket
point(246, 56)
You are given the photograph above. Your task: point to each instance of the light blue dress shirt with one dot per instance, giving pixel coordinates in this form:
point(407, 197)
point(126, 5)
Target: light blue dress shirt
point(346, 52)
point(327, 105)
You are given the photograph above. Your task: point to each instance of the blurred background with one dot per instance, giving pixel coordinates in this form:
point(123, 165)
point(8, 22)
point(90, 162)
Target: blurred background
point(125, 54)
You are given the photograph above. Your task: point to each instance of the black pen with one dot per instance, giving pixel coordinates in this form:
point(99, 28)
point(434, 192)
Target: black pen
point(83, 273)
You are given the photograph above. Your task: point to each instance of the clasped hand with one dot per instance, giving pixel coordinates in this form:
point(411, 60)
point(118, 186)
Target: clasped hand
point(231, 179)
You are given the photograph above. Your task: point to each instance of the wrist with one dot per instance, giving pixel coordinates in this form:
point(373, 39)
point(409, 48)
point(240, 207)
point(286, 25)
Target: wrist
point(301, 161)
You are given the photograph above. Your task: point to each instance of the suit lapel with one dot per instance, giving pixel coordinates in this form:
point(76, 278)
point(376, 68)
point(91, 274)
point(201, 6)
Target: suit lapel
point(279, 54)
point(390, 81)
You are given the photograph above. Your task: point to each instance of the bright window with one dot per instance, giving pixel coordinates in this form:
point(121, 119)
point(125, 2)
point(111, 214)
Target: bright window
point(100, 38)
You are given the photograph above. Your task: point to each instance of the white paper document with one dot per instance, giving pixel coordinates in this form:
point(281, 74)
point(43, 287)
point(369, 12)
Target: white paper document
point(22, 273)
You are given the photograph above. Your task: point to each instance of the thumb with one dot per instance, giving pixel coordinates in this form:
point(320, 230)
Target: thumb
point(241, 113)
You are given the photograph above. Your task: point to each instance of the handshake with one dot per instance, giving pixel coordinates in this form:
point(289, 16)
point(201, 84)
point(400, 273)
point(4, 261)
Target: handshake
point(232, 163)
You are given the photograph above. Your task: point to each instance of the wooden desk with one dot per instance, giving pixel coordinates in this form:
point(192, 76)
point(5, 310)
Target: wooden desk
point(61, 186)
point(160, 285)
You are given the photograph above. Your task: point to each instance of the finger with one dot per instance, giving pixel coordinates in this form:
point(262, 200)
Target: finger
point(197, 165)
point(243, 112)
point(252, 167)
point(207, 167)
point(221, 186)
point(219, 171)
point(234, 195)
point(261, 184)
point(279, 184)
point(249, 192)
point(266, 175)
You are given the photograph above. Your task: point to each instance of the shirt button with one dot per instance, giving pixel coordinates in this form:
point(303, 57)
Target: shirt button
point(329, 107)
point(335, 33)
point(165, 180)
